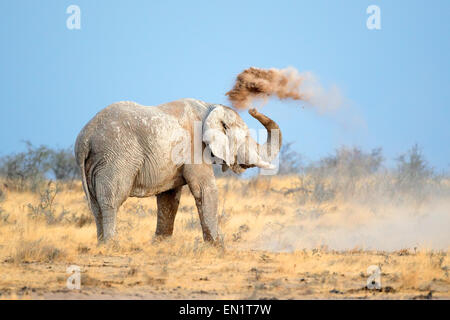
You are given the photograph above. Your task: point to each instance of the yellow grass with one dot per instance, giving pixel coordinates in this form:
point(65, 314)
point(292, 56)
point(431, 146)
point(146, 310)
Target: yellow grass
point(274, 246)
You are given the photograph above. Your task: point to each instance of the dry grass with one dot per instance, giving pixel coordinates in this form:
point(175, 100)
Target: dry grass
point(276, 245)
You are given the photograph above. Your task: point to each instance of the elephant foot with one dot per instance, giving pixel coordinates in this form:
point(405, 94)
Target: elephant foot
point(108, 242)
point(217, 242)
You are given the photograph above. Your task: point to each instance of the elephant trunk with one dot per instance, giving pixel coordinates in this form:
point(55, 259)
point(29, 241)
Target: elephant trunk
point(270, 149)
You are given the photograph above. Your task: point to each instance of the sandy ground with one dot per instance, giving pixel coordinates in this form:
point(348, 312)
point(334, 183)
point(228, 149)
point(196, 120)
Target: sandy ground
point(256, 275)
point(274, 247)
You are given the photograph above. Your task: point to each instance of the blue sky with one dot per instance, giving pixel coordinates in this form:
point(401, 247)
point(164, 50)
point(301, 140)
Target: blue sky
point(53, 80)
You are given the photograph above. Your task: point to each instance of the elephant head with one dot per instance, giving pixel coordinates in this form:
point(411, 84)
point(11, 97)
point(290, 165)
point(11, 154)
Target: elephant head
point(228, 138)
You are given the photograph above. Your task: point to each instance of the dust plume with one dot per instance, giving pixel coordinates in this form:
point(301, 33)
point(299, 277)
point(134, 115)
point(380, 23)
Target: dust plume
point(393, 228)
point(288, 83)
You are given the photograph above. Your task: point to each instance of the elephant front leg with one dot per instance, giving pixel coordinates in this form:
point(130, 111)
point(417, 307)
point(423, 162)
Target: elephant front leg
point(206, 201)
point(201, 181)
point(167, 209)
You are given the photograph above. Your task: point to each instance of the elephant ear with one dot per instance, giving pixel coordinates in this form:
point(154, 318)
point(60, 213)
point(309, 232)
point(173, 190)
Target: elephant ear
point(214, 135)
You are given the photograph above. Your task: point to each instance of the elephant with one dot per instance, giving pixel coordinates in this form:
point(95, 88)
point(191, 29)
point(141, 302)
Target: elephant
point(131, 150)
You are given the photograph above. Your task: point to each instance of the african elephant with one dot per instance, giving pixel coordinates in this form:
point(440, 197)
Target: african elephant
point(130, 150)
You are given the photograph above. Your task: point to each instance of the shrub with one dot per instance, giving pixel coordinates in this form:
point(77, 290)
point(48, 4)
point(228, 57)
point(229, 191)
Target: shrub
point(25, 170)
point(413, 174)
point(412, 168)
point(342, 172)
point(45, 208)
point(361, 176)
point(35, 251)
point(30, 169)
point(63, 165)
point(290, 160)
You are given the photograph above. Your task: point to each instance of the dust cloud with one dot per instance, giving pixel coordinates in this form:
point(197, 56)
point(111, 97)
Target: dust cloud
point(375, 223)
point(288, 83)
point(388, 228)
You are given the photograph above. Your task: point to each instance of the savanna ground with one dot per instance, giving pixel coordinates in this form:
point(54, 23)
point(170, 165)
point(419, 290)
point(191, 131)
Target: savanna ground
point(283, 237)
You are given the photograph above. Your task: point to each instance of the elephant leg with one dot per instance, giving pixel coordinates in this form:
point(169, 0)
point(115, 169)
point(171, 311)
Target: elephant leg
point(108, 223)
point(98, 218)
point(167, 209)
point(111, 191)
point(201, 181)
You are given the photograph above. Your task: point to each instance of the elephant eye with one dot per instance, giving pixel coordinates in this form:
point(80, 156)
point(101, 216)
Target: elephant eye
point(224, 125)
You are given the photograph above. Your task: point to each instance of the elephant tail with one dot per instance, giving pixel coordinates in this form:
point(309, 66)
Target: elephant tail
point(87, 190)
point(84, 184)
point(82, 154)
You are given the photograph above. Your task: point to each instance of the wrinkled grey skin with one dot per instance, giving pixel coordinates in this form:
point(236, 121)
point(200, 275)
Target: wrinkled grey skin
point(126, 151)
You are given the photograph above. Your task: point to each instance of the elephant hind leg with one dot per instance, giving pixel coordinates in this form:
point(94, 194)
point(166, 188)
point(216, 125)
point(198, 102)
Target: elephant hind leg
point(108, 224)
point(98, 217)
point(112, 188)
point(167, 209)
point(91, 194)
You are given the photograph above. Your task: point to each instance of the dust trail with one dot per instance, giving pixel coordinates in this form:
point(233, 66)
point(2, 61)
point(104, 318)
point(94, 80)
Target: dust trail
point(288, 83)
point(394, 228)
